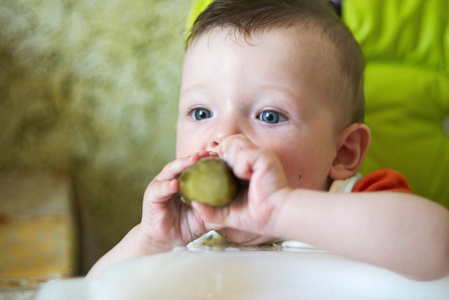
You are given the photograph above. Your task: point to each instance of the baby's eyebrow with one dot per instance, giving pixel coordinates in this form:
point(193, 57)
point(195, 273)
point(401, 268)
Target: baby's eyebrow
point(190, 88)
point(285, 89)
point(280, 87)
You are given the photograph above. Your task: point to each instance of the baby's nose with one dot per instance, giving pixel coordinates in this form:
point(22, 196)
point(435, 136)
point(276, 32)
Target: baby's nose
point(212, 147)
point(220, 132)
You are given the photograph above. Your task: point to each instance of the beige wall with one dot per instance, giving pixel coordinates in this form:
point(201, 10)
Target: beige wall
point(89, 87)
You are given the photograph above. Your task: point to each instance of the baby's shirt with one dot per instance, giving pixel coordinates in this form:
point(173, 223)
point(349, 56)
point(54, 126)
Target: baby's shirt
point(383, 180)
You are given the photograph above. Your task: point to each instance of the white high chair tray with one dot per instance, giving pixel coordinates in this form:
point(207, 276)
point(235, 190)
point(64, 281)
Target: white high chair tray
point(236, 273)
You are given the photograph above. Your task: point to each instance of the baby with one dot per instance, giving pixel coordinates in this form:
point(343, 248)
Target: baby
point(275, 88)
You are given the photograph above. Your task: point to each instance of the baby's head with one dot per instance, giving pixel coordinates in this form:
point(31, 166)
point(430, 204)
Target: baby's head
point(247, 19)
point(286, 74)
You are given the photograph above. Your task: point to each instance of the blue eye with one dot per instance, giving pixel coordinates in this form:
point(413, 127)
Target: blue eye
point(201, 114)
point(271, 117)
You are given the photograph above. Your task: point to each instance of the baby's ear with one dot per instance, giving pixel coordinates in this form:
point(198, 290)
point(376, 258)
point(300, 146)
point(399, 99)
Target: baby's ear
point(353, 143)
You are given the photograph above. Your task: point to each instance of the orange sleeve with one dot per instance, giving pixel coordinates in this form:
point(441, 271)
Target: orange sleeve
point(385, 180)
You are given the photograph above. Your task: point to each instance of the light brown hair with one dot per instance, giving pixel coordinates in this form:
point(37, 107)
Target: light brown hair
point(248, 17)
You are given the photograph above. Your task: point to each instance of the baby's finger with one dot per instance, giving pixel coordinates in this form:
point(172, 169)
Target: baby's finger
point(161, 191)
point(176, 167)
point(210, 214)
point(234, 144)
point(242, 155)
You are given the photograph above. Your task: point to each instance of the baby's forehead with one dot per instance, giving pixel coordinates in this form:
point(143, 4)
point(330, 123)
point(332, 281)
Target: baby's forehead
point(298, 42)
point(290, 53)
point(303, 45)
point(296, 32)
point(325, 41)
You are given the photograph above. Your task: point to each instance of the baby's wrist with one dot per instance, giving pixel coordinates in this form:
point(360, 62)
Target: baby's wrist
point(279, 200)
point(147, 245)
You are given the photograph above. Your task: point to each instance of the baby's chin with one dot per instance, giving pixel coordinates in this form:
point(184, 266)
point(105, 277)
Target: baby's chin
point(242, 237)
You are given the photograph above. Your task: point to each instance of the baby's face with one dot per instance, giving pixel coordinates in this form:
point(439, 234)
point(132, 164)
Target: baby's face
point(275, 88)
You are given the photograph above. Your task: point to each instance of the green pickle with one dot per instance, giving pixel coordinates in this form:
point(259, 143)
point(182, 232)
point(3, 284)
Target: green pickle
point(209, 181)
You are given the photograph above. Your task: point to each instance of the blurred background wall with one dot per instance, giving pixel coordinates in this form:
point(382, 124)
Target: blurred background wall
point(89, 88)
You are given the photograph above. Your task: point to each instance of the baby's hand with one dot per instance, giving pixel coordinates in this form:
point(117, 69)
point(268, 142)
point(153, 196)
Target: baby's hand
point(255, 209)
point(167, 222)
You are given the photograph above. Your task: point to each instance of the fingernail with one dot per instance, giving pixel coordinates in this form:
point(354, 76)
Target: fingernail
point(224, 156)
point(194, 204)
